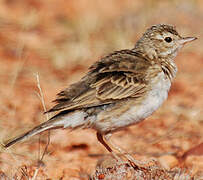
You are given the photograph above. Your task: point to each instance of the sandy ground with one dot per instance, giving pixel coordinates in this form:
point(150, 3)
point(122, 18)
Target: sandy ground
point(57, 41)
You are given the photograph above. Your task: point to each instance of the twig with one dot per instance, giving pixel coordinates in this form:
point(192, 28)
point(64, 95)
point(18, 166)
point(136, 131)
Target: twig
point(35, 174)
point(41, 96)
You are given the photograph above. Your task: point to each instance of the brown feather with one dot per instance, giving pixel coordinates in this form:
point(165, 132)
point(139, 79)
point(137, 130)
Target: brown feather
point(117, 76)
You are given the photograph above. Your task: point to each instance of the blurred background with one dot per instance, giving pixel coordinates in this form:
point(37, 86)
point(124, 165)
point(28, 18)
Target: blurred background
point(52, 44)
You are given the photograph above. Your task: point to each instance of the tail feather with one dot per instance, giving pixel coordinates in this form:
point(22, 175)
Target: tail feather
point(36, 130)
point(64, 119)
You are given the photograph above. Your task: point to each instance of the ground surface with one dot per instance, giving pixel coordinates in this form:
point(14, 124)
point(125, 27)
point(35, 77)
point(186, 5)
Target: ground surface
point(58, 40)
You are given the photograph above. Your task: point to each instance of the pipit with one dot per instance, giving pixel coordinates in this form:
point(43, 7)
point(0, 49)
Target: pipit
point(121, 89)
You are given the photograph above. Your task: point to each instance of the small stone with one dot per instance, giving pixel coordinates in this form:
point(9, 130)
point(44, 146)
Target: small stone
point(101, 176)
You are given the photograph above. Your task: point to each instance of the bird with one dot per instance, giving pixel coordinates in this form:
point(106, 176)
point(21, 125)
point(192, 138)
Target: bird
point(120, 89)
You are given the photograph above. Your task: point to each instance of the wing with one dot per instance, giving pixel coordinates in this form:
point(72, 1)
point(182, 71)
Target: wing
point(118, 76)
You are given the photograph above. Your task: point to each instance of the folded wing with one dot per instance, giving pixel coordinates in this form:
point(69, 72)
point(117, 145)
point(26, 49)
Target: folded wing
point(115, 77)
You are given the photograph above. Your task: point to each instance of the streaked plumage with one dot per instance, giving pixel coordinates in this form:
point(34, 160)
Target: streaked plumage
point(121, 89)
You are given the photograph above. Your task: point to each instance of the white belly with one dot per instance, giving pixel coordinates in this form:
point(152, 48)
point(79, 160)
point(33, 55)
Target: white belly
point(153, 101)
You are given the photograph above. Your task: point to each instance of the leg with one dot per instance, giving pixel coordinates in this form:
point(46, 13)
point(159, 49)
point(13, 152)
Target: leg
point(101, 140)
point(120, 150)
point(132, 161)
point(105, 139)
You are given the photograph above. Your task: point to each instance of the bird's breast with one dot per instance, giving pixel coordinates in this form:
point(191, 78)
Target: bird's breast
point(155, 97)
point(138, 111)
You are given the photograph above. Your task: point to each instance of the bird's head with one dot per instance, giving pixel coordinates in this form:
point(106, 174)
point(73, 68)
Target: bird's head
point(161, 41)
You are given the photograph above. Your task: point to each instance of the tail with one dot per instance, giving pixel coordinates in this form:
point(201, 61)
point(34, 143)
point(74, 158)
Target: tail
point(64, 119)
point(36, 130)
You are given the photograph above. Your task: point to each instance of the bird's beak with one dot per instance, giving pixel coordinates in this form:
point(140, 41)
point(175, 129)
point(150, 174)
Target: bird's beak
point(187, 39)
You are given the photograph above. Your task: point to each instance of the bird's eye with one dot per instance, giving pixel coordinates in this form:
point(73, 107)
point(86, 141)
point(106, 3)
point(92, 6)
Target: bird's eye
point(168, 39)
